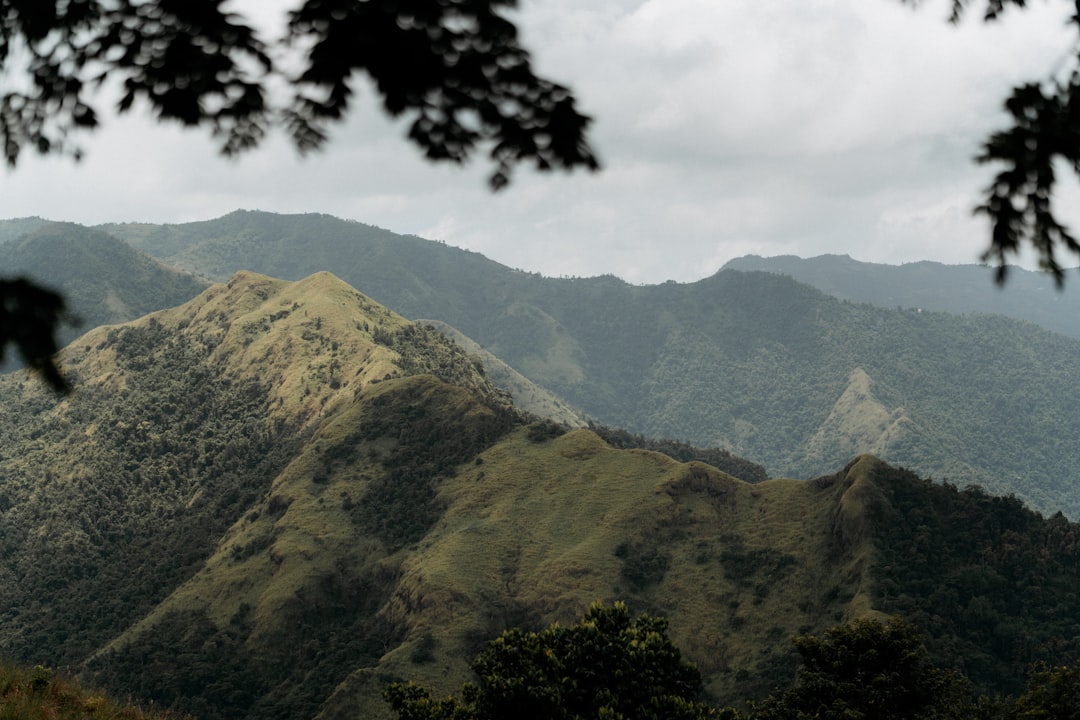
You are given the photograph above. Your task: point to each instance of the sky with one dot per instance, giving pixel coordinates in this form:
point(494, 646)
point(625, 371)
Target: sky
point(725, 128)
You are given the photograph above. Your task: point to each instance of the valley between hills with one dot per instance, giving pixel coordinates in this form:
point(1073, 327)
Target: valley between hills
point(273, 496)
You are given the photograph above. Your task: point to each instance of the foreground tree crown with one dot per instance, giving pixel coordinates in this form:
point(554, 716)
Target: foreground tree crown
point(455, 67)
point(1045, 115)
point(610, 665)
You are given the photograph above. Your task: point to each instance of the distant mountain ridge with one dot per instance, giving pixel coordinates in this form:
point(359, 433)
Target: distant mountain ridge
point(15, 228)
point(752, 362)
point(957, 289)
point(103, 280)
point(756, 363)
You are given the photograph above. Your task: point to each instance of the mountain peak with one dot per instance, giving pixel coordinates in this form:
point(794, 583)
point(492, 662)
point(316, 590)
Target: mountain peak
point(313, 343)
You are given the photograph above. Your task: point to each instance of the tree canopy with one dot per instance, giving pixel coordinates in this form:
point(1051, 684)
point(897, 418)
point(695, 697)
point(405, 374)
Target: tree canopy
point(1053, 694)
point(455, 67)
point(610, 665)
point(867, 669)
point(30, 315)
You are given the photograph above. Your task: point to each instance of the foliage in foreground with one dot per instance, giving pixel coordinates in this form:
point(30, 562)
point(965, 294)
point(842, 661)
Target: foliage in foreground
point(610, 666)
point(37, 693)
point(868, 669)
point(613, 666)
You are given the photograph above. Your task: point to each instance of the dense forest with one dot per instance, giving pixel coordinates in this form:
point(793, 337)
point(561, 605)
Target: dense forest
point(179, 452)
point(956, 289)
point(994, 585)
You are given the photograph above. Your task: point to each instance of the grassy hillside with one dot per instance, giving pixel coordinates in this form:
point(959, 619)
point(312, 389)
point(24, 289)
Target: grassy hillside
point(528, 396)
point(41, 694)
point(270, 501)
point(238, 482)
point(171, 434)
point(530, 532)
point(956, 289)
point(756, 363)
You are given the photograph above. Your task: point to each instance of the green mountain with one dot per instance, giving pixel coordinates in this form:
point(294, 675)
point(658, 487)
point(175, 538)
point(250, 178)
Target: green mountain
point(768, 368)
point(275, 498)
point(103, 280)
point(527, 395)
point(16, 228)
point(956, 289)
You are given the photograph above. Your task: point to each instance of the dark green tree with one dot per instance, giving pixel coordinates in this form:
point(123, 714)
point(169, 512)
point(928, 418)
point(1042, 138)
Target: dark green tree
point(1053, 694)
point(455, 67)
point(868, 670)
point(610, 665)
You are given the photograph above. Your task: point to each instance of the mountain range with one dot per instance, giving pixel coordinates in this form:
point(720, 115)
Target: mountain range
point(104, 281)
point(273, 499)
point(768, 368)
point(957, 289)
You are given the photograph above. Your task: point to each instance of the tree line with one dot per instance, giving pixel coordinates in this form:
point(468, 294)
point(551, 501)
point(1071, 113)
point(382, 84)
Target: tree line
point(613, 665)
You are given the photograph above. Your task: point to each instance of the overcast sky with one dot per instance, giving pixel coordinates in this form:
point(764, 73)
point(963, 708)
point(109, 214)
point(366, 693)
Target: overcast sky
point(726, 127)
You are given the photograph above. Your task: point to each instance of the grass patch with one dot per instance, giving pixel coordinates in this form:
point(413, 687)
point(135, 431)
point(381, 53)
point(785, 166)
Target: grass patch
point(39, 693)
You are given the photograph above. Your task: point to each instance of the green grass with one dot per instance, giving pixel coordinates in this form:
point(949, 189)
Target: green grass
point(40, 694)
point(534, 533)
point(416, 517)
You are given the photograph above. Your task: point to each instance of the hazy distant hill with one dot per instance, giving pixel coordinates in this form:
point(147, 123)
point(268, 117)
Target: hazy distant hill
point(771, 369)
point(15, 228)
point(269, 501)
point(103, 280)
point(420, 275)
point(955, 289)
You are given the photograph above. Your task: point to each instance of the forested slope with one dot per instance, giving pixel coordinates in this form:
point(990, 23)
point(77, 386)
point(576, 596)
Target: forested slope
point(957, 289)
point(759, 364)
point(103, 280)
point(268, 502)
